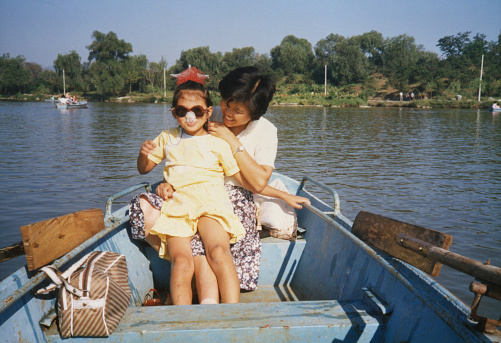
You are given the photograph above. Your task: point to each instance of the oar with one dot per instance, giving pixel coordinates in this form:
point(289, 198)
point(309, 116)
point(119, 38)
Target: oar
point(464, 264)
point(11, 252)
point(423, 248)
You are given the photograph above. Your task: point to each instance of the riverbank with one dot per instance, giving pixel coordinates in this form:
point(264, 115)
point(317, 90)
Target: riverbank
point(315, 100)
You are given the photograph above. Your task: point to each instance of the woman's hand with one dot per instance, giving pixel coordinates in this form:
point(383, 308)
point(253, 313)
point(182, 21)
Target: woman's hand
point(165, 190)
point(221, 131)
point(296, 201)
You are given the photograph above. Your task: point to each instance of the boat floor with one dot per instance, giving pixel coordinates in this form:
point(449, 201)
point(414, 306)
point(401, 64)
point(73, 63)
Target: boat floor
point(269, 294)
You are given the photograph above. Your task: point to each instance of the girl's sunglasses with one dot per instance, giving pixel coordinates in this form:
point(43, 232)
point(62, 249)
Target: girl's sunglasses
point(180, 111)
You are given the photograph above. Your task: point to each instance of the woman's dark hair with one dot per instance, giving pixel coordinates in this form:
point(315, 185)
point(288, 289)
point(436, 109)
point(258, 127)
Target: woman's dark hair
point(193, 87)
point(249, 86)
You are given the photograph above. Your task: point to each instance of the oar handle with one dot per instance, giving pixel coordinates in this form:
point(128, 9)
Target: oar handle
point(488, 273)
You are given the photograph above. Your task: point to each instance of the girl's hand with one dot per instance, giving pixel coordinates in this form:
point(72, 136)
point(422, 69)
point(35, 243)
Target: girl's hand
point(296, 201)
point(147, 147)
point(221, 131)
point(165, 190)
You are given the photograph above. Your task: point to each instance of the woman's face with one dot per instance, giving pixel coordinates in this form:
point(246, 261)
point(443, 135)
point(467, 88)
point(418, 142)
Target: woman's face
point(236, 115)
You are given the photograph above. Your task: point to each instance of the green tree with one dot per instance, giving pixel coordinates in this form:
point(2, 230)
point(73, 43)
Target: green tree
point(399, 57)
point(47, 81)
point(264, 63)
point(293, 55)
point(346, 61)
point(371, 44)
point(429, 88)
point(426, 68)
point(72, 67)
point(107, 54)
point(14, 77)
point(238, 58)
point(34, 69)
point(154, 74)
point(454, 45)
point(107, 77)
point(134, 70)
point(202, 58)
point(107, 47)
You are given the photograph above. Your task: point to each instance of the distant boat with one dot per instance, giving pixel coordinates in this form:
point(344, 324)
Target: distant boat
point(494, 109)
point(52, 99)
point(80, 104)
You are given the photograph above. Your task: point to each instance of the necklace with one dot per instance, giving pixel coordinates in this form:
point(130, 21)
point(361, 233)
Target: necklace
point(180, 135)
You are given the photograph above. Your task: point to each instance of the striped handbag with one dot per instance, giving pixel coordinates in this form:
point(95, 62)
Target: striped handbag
point(93, 298)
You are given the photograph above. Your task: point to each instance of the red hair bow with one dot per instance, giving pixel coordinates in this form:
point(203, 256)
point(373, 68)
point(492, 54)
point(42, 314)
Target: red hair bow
point(191, 74)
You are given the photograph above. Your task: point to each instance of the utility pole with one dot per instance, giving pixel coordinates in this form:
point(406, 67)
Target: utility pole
point(480, 84)
point(64, 84)
point(165, 89)
point(325, 80)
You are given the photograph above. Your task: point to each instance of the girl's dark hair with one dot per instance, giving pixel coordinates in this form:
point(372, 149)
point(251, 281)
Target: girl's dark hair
point(193, 87)
point(249, 86)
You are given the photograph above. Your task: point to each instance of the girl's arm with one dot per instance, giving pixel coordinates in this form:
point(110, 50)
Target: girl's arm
point(256, 175)
point(293, 200)
point(144, 164)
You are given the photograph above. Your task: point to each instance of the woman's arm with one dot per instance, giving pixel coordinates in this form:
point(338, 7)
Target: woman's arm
point(256, 175)
point(293, 200)
point(144, 164)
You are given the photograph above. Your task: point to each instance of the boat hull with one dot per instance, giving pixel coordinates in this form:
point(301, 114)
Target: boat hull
point(81, 104)
point(328, 285)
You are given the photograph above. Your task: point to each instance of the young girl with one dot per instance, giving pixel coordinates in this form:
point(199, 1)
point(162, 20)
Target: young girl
point(196, 163)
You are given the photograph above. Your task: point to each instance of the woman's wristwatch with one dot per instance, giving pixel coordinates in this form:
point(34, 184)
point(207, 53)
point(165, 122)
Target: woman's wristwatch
point(239, 149)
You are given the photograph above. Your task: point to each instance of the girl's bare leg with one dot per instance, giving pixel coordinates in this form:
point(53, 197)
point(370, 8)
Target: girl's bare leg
point(182, 269)
point(217, 248)
point(151, 214)
point(208, 292)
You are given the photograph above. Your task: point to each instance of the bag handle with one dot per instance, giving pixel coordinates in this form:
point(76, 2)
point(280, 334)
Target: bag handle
point(56, 276)
point(59, 278)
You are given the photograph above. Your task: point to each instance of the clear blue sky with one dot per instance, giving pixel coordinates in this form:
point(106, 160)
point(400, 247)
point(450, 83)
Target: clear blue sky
point(41, 29)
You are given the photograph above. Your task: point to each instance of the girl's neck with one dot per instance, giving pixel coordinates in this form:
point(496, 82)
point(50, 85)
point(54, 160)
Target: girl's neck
point(200, 132)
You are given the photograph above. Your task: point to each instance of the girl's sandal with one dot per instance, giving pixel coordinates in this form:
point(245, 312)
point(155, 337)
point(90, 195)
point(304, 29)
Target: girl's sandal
point(168, 301)
point(152, 298)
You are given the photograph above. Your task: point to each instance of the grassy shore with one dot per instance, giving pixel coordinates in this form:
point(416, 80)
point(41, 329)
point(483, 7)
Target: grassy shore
point(319, 100)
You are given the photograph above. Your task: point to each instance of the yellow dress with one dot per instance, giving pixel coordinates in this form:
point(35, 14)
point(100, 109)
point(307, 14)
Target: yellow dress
point(195, 166)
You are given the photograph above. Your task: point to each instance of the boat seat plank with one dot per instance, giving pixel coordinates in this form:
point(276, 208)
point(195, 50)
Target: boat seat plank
point(275, 321)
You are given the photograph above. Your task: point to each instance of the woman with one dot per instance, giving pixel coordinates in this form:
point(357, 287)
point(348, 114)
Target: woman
point(246, 94)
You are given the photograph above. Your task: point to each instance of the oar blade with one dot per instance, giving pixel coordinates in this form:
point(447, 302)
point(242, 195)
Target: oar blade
point(381, 232)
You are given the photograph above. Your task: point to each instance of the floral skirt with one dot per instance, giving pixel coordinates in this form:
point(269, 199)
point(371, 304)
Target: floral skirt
point(246, 252)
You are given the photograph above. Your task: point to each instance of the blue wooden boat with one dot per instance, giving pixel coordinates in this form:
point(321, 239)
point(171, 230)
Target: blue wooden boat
point(80, 104)
point(328, 286)
point(494, 109)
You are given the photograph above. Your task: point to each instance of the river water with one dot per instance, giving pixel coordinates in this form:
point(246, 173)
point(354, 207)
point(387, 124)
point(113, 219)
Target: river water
point(440, 169)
